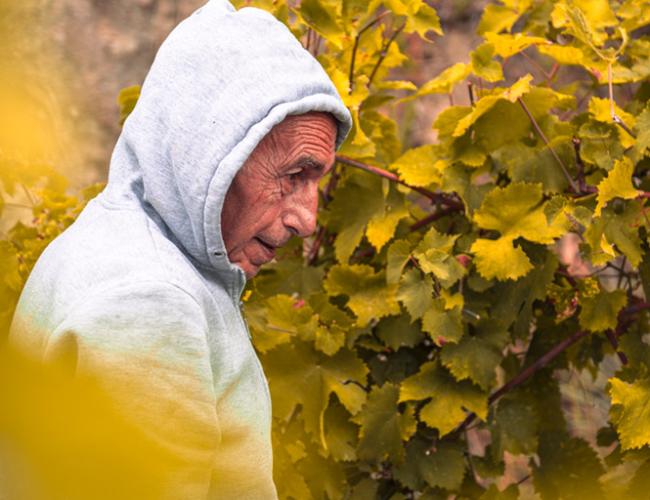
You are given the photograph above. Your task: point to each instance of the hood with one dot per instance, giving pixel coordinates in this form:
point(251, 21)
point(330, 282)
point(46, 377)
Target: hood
point(219, 83)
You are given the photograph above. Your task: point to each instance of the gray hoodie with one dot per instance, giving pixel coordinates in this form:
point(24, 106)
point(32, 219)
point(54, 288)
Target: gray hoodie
point(139, 290)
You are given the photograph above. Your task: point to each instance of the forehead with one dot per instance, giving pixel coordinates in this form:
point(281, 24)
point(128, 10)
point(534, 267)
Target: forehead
point(311, 133)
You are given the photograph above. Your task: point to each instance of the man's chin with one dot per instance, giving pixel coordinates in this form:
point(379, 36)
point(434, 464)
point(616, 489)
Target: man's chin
point(251, 273)
point(250, 269)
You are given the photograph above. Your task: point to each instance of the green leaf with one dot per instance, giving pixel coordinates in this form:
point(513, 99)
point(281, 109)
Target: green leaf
point(398, 331)
point(483, 64)
point(341, 434)
point(484, 104)
point(517, 211)
point(353, 206)
point(643, 132)
point(324, 17)
point(298, 375)
point(448, 119)
point(600, 312)
point(569, 468)
point(515, 426)
point(277, 320)
point(440, 466)
point(434, 256)
point(500, 259)
point(369, 295)
point(620, 229)
point(443, 325)
point(450, 398)
point(398, 255)
point(415, 292)
point(631, 411)
point(600, 144)
point(538, 165)
point(476, 357)
point(493, 493)
point(617, 184)
point(383, 427)
point(381, 226)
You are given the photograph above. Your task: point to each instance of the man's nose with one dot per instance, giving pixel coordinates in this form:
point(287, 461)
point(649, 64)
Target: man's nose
point(300, 214)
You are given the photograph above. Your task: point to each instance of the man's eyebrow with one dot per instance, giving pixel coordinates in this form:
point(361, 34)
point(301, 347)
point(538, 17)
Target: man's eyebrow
point(306, 162)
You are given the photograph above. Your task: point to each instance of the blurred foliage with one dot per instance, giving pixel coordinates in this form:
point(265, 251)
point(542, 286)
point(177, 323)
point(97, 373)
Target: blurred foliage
point(413, 346)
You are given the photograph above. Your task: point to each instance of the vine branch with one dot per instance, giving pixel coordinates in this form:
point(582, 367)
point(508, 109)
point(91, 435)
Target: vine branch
point(540, 133)
point(356, 46)
point(443, 198)
point(384, 53)
point(438, 214)
point(528, 372)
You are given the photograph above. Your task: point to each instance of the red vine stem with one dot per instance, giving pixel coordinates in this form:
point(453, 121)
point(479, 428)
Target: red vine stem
point(438, 214)
point(558, 349)
point(528, 372)
point(611, 336)
point(443, 198)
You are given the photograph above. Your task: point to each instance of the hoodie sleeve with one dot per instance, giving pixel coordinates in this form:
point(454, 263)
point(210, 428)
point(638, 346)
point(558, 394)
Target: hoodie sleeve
point(144, 347)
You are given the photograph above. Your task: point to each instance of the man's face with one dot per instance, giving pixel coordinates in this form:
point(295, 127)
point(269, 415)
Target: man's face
point(275, 194)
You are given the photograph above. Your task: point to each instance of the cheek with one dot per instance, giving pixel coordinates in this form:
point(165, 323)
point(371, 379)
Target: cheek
point(254, 214)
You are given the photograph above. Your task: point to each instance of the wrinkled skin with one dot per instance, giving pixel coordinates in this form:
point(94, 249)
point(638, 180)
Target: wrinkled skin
point(274, 196)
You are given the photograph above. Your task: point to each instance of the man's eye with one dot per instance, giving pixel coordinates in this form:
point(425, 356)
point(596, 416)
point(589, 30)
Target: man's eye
point(289, 181)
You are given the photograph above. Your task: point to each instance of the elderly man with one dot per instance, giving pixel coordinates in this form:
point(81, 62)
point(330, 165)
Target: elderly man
point(217, 166)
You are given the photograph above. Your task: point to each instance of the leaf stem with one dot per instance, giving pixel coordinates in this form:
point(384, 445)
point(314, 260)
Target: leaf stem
point(612, 105)
point(438, 214)
point(611, 336)
point(384, 53)
point(540, 133)
point(580, 164)
point(443, 198)
point(356, 46)
point(532, 61)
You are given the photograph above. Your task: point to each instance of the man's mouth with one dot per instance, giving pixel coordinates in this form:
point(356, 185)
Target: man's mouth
point(268, 248)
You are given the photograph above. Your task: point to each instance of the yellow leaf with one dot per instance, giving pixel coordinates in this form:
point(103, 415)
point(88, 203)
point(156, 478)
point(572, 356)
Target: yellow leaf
point(452, 300)
point(517, 211)
point(519, 88)
point(446, 80)
point(500, 259)
point(484, 65)
point(601, 110)
point(382, 225)
point(564, 54)
point(617, 184)
point(506, 45)
point(417, 166)
point(497, 18)
point(631, 412)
